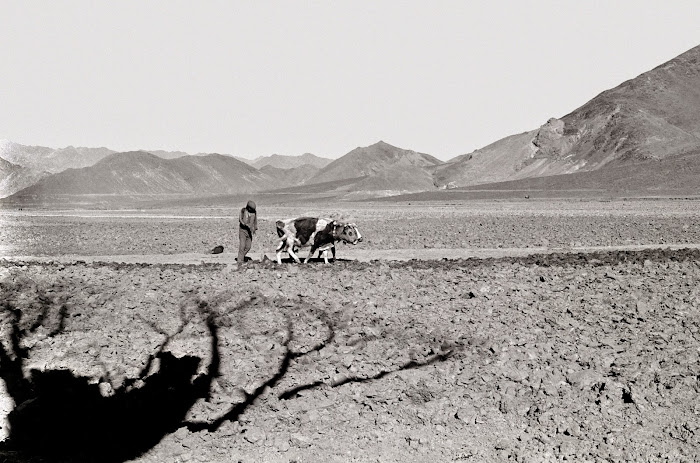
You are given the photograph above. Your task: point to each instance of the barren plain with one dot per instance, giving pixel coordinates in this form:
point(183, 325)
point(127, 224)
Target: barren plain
point(556, 356)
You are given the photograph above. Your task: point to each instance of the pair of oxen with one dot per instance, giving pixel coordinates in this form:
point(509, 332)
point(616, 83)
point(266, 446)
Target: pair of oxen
point(317, 233)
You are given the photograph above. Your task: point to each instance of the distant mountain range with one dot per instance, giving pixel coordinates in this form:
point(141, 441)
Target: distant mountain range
point(290, 162)
point(141, 173)
point(642, 129)
point(377, 170)
point(22, 166)
point(167, 154)
point(43, 159)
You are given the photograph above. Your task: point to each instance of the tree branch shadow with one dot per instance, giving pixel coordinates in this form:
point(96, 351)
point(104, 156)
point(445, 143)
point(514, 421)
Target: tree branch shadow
point(293, 392)
point(61, 416)
point(289, 356)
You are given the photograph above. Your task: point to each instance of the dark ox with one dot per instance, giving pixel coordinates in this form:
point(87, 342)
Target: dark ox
point(319, 234)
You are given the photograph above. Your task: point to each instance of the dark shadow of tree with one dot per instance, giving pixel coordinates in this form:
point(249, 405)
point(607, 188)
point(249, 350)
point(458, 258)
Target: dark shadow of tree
point(63, 417)
point(60, 416)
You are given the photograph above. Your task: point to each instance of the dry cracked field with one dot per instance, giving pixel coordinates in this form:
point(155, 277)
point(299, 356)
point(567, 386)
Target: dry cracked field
point(558, 357)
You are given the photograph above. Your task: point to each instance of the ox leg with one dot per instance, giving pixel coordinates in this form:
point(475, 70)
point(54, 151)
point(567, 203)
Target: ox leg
point(279, 251)
point(311, 253)
point(333, 251)
point(325, 256)
point(290, 250)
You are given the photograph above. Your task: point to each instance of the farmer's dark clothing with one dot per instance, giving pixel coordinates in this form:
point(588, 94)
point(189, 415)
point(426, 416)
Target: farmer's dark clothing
point(248, 225)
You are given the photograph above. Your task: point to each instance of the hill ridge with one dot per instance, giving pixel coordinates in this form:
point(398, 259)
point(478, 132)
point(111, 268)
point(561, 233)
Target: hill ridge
point(651, 116)
point(369, 160)
point(141, 172)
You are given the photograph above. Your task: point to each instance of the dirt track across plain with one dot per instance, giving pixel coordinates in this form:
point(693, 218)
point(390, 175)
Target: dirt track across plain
point(350, 254)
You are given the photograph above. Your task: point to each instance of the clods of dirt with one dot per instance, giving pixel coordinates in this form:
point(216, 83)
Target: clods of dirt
point(584, 357)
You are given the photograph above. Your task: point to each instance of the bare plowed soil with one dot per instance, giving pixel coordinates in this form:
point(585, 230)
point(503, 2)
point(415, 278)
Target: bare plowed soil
point(580, 356)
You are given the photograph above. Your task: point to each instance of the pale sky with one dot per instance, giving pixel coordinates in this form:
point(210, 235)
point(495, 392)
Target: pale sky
point(255, 78)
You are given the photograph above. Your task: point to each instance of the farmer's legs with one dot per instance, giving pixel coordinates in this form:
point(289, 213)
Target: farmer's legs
point(248, 243)
point(244, 243)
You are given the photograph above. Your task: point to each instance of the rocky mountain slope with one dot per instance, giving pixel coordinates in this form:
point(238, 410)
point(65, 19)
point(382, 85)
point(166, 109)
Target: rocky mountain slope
point(14, 177)
point(392, 180)
point(650, 117)
point(141, 173)
point(370, 160)
point(289, 177)
point(674, 173)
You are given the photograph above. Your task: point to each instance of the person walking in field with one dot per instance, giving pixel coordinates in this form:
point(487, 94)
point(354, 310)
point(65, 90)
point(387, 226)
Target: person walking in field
point(248, 225)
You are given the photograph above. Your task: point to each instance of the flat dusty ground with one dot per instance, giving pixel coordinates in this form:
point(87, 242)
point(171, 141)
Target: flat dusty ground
point(515, 224)
point(549, 357)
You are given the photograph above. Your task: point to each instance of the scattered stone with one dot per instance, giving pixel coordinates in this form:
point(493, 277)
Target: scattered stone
point(467, 415)
point(584, 379)
point(516, 375)
point(254, 435)
point(300, 440)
